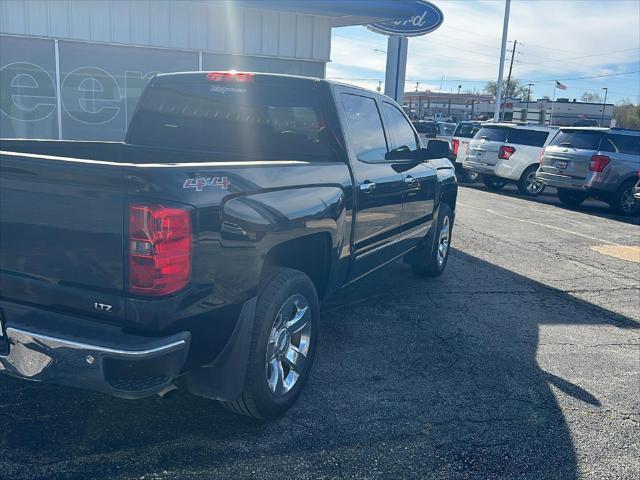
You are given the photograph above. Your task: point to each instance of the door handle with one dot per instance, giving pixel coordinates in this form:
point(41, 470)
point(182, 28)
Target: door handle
point(411, 181)
point(367, 186)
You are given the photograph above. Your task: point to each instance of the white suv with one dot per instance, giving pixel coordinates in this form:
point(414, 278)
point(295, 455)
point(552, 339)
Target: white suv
point(505, 152)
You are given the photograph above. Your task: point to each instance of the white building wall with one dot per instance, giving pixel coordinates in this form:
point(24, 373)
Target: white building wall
point(188, 25)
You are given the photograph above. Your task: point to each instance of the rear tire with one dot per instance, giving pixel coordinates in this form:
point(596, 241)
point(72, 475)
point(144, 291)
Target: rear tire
point(469, 177)
point(436, 264)
point(571, 198)
point(282, 346)
point(528, 184)
point(624, 201)
point(493, 183)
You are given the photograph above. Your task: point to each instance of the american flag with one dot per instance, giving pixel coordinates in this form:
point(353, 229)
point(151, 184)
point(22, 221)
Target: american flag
point(560, 86)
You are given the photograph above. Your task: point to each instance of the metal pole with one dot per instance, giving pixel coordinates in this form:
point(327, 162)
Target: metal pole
point(604, 105)
point(513, 54)
point(396, 67)
point(553, 102)
point(528, 99)
point(58, 91)
point(505, 28)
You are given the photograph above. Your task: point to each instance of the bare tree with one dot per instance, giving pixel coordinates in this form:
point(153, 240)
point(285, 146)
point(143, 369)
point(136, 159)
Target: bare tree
point(591, 97)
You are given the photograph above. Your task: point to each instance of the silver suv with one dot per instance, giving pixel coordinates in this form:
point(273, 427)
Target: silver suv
point(603, 163)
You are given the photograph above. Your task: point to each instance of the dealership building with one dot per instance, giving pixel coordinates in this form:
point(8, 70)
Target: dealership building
point(75, 69)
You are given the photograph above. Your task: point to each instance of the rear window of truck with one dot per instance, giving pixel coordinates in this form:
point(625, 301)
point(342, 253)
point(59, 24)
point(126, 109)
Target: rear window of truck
point(518, 136)
point(492, 134)
point(580, 139)
point(252, 120)
point(466, 130)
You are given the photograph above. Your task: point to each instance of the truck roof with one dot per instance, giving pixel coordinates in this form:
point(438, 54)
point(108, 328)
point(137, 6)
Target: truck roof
point(519, 125)
point(190, 77)
point(629, 131)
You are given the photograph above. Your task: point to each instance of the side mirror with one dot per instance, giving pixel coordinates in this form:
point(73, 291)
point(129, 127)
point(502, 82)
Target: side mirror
point(435, 149)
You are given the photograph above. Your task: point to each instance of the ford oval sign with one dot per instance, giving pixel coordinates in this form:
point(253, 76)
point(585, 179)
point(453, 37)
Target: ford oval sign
point(426, 19)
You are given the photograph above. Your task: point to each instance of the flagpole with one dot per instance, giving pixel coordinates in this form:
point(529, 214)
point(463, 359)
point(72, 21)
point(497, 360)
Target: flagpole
point(553, 102)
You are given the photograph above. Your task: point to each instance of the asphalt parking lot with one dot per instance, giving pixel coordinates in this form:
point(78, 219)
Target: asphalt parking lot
point(521, 361)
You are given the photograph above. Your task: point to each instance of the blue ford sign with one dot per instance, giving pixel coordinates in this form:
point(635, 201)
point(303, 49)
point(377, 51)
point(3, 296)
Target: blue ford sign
point(426, 19)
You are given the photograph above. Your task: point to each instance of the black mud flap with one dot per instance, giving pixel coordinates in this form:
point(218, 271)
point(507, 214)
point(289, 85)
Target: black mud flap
point(223, 379)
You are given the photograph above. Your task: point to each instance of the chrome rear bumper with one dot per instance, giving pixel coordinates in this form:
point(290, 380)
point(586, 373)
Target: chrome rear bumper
point(113, 362)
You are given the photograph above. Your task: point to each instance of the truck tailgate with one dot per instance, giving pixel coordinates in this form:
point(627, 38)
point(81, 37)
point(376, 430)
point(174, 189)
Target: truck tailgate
point(61, 234)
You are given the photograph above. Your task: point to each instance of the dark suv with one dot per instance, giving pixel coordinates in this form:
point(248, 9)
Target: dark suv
point(601, 163)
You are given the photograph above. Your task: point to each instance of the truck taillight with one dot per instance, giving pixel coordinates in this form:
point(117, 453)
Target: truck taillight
point(598, 162)
point(455, 144)
point(160, 244)
point(505, 152)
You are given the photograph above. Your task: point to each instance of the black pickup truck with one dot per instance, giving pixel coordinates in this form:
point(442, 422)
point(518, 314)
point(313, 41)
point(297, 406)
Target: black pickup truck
point(198, 250)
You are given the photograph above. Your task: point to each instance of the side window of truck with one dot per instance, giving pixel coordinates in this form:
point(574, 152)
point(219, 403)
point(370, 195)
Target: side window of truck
point(365, 128)
point(626, 144)
point(403, 138)
point(532, 138)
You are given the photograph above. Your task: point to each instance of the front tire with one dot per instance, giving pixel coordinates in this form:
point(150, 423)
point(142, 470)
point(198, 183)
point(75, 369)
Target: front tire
point(493, 183)
point(571, 198)
point(528, 184)
point(283, 345)
point(624, 201)
point(436, 264)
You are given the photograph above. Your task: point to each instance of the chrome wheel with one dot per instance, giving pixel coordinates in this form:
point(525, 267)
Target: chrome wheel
point(628, 203)
point(532, 184)
point(443, 241)
point(288, 345)
point(472, 176)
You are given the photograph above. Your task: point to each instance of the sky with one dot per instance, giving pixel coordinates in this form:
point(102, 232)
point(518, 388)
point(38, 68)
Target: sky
point(563, 40)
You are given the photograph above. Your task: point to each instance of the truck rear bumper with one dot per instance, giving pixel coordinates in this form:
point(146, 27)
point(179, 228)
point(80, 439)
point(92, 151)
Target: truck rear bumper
point(50, 347)
point(477, 167)
point(562, 181)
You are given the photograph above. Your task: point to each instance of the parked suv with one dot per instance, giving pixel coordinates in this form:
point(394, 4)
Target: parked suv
point(594, 162)
point(463, 133)
point(505, 152)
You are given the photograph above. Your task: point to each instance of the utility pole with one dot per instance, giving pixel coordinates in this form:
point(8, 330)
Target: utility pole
point(417, 85)
point(505, 29)
point(604, 104)
point(513, 54)
point(379, 85)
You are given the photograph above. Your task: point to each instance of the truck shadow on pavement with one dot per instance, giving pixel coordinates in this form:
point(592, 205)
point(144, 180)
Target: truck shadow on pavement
point(414, 378)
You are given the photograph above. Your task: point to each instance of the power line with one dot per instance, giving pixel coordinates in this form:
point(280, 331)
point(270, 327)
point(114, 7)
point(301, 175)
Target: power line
point(582, 56)
point(590, 76)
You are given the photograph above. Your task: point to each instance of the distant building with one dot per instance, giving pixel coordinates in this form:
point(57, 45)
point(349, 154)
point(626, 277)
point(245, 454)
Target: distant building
point(482, 107)
point(437, 105)
point(565, 112)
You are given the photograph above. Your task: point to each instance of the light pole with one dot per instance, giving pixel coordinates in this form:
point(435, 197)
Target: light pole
point(528, 99)
point(505, 28)
point(604, 104)
point(459, 87)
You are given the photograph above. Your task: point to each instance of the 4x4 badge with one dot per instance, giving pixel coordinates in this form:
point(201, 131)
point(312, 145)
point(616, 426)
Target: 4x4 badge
point(199, 183)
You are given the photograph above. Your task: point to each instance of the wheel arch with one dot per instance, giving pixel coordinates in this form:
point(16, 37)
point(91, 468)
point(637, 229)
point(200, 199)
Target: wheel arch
point(310, 254)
